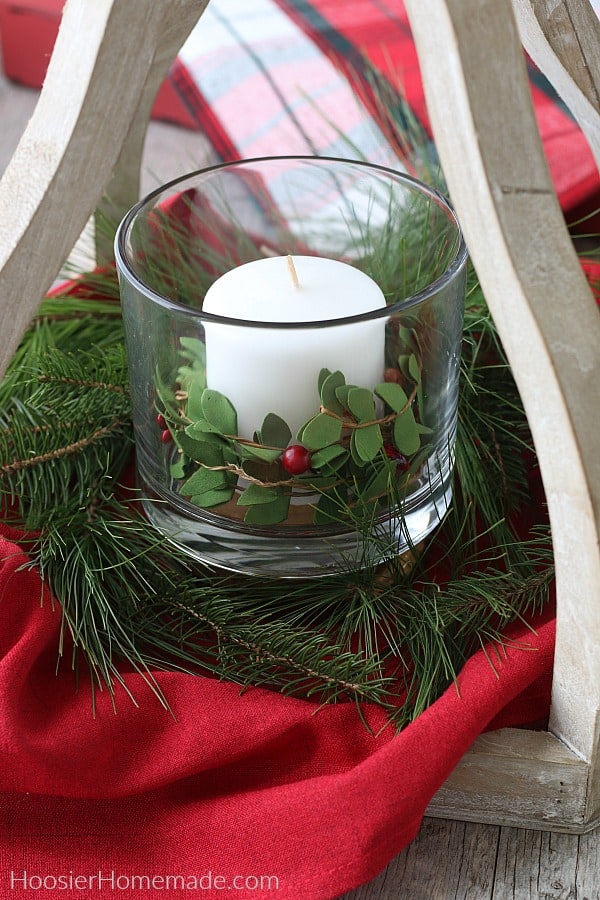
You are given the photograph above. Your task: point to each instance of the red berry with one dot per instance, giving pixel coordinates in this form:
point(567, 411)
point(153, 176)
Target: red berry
point(393, 376)
point(161, 422)
point(295, 459)
point(166, 436)
point(392, 453)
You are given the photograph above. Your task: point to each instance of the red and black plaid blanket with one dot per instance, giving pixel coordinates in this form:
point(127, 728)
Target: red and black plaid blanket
point(307, 76)
point(276, 77)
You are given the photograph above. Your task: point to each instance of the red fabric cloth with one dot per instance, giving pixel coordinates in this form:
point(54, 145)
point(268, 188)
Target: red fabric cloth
point(244, 786)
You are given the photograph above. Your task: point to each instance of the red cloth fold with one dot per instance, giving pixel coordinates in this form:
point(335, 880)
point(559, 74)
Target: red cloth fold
point(231, 786)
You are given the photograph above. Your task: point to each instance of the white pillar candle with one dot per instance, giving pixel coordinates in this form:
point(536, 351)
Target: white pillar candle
point(273, 369)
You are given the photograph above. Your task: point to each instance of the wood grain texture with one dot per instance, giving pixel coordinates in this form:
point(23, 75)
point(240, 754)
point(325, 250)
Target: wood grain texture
point(446, 861)
point(485, 130)
point(518, 777)
point(544, 866)
point(563, 39)
point(123, 189)
point(462, 861)
point(94, 90)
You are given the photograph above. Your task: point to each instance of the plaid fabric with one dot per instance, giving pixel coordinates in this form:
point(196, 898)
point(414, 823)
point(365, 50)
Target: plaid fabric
point(271, 89)
point(278, 77)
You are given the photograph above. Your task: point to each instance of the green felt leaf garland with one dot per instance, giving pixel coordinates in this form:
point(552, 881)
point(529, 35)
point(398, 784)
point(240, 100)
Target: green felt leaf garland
point(350, 440)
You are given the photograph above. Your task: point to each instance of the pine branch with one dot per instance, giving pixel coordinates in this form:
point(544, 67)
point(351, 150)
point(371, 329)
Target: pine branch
point(125, 594)
point(58, 440)
point(78, 446)
point(395, 636)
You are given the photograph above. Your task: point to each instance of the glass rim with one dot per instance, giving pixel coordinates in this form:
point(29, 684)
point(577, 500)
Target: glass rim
point(452, 269)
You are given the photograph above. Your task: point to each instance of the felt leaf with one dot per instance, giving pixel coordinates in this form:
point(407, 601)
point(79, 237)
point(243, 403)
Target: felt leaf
point(194, 350)
point(414, 369)
point(406, 434)
point(337, 464)
point(318, 482)
point(204, 480)
point(275, 432)
point(269, 513)
point(342, 394)
point(328, 455)
point(177, 468)
point(164, 391)
point(361, 404)
point(213, 498)
point(205, 451)
point(201, 430)
point(355, 456)
point(189, 375)
point(377, 485)
point(230, 454)
point(321, 431)
point(323, 374)
point(367, 442)
point(256, 493)
point(330, 508)
point(218, 410)
point(327, 391)
point(403, 360)
point(267, 454)
point(393, 395)
point(193, 408)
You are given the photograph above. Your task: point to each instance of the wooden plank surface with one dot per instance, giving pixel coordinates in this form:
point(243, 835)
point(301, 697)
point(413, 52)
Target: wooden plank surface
point(446, 860)
point(461, 861)
point(485, 131)
point(572, 63)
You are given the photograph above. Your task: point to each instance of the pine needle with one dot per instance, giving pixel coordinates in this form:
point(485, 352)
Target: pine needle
point(391, 635)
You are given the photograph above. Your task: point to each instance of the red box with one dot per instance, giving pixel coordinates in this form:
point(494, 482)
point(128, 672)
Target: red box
point(28, 30)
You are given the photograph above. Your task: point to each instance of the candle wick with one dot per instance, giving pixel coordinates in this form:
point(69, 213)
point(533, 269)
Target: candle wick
point(293, 273)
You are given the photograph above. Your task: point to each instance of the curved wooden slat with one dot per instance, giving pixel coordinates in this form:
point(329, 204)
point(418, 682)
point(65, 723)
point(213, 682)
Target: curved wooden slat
point(563, 39)
point(95, 100)
point(123, 189)
point(484, 126)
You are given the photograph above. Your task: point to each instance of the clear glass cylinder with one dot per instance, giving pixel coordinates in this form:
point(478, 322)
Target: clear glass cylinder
point(293, 331)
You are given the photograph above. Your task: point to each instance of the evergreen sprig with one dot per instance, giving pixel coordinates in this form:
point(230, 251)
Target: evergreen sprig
point(393, 635)
point(66, 430)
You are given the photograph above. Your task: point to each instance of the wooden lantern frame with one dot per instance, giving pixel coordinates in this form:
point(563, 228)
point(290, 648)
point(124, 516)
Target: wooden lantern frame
point(81, 145)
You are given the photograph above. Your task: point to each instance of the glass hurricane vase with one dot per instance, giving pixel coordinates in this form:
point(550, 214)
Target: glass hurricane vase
point(293, 331)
